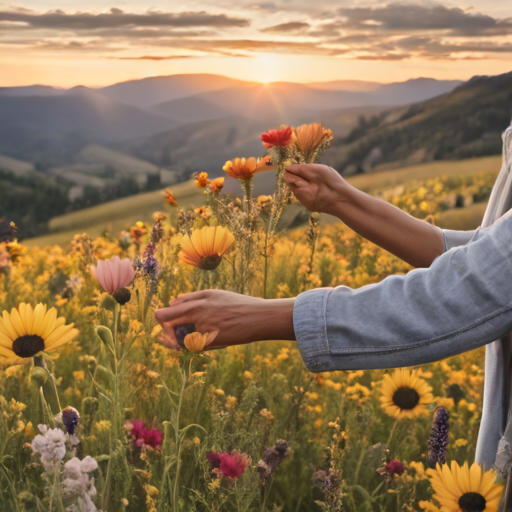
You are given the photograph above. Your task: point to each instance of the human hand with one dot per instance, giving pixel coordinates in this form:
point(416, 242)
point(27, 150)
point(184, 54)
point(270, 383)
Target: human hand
point(238, 318)
point(318, 187)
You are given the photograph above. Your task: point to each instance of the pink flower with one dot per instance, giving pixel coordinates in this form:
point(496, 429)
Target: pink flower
point(233, 466)
point(113, 274)
point(144, 436)
point(395, 467)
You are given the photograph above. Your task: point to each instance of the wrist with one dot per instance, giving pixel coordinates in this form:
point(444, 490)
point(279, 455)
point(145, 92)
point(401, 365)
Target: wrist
point(343, 194)
point(275, 319)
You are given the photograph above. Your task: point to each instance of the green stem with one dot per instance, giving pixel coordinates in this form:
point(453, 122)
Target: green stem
point(175, 499)
point(388, 443)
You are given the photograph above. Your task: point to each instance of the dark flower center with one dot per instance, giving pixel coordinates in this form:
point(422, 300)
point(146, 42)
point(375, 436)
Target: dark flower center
point(210, 262)
point(122, 296)
point(472, 502)
point(28, 346)
point(406, 398)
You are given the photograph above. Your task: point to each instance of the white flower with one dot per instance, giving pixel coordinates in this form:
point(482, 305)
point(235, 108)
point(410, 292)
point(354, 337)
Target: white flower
point(51, 445)
point(78, 484)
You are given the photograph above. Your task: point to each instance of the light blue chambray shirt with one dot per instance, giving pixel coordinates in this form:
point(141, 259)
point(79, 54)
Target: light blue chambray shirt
point(461, 302)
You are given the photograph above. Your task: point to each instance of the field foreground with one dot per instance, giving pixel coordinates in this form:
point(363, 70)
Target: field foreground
point(106, 418)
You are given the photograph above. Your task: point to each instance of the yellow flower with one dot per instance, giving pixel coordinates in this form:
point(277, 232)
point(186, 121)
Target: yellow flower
point(405, 395)
point(196, 342)
point(79, 375)
point(309, 138)
point(265, 413)
point(27, 331)
point(206, 247)
point(245, 169)
point(248, 375)
point(463, 488)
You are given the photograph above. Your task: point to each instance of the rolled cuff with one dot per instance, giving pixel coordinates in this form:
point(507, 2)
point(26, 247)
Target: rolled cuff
point(310, 325)
point(454, 238)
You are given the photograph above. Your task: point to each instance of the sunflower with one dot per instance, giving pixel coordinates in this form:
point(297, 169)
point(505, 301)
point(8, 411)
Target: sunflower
point(405, 394)
point(465, 489)
point(206, 247)
point(245, 169)
point(26, 332)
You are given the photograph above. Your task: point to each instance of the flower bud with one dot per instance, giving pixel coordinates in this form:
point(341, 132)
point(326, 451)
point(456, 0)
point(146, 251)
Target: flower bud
point(39, 375)
point(105, 334)
point(90, 406)
point(122, 296)
point(108, 303)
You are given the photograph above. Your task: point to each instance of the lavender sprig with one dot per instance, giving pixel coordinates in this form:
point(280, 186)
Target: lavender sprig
point(438, 437)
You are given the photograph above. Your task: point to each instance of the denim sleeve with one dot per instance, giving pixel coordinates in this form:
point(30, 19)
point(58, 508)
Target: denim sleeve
point(461, 302)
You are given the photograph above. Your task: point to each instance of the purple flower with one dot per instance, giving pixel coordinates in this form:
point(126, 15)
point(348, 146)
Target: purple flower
point(7, 231)
point(438, 437)
point(272, 459)
point(70, 419)
point(213, 459)
point(395, 467)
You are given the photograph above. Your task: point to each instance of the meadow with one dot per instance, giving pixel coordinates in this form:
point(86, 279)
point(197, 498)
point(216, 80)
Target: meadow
point(102, 416)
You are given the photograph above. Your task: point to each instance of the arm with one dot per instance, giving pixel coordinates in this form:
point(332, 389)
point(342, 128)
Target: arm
point(461, 302)
point(320, 188)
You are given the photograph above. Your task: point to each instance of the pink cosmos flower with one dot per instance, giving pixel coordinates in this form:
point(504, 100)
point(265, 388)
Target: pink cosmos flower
point(233, 466)
point(113, 274)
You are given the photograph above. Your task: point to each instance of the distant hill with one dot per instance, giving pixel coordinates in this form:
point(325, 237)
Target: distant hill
point(206, 145)
point(31, 90)
point(464, 123)
point(52, 129)
point(158, 89)
point(191, 109)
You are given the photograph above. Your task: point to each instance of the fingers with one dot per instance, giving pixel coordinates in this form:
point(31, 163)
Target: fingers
point(178, 314)
point(187, 297)
point(294, 181)
point(304, 171)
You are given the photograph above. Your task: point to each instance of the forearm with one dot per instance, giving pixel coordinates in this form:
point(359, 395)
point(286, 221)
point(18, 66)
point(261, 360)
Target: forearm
point(459, 303)
point(415, 241)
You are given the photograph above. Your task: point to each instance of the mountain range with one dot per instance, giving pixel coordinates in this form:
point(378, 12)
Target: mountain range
point(48, 126)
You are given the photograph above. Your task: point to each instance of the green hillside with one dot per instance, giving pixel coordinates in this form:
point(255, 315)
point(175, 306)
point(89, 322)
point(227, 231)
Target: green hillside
point(117, 215)
point(464, 123)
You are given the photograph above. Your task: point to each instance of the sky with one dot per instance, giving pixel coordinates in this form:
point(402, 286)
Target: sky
point(99, 42)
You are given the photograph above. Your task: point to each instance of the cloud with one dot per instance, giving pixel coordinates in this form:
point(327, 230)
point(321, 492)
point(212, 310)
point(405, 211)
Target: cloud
point(118, 18)
point(156, 57)
point(291, 26)
point(399, 17)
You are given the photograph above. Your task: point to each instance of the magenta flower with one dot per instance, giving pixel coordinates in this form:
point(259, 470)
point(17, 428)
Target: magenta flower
point(114, 274)
point(233, 466)
point(143, 436)
point(395, 467)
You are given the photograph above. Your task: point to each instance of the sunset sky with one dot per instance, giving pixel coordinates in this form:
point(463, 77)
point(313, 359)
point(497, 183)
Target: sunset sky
point(94, 43)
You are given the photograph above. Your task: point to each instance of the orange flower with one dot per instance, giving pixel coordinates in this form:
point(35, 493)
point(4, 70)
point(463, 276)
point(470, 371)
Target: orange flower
point(202, 180)
point(245, 169)
point(196, 342)
point(206, 247)
point(138, 231)
point(169, 197)
point(309, 138)
point(217, 185)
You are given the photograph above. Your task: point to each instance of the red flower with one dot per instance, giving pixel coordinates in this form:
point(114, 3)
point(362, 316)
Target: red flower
point(395, 467)
point(233, 466)
point(277, 138)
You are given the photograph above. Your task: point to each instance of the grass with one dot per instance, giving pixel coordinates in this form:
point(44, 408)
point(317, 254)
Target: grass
point(117, 215)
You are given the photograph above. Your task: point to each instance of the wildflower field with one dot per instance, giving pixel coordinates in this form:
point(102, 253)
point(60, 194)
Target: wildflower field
point(97, 413)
